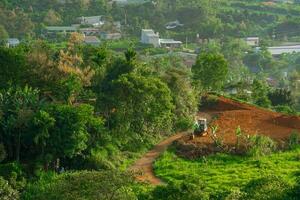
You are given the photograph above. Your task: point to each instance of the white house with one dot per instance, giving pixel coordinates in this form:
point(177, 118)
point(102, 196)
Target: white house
point(150, 37)
point(92, 20)
point(252, 41)
point(169, 43)
point(12, 42)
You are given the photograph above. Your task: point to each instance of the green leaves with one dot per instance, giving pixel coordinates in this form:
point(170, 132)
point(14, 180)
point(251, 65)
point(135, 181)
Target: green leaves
point(210, 71)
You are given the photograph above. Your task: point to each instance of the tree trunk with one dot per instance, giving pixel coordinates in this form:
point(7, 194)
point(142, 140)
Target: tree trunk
point(18, 145)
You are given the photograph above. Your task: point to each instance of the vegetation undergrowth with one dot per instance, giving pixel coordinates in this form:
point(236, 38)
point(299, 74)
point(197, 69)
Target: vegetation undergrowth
point(221, 174)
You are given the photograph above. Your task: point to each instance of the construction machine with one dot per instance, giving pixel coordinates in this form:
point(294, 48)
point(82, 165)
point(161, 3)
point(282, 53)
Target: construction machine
point(200, 127)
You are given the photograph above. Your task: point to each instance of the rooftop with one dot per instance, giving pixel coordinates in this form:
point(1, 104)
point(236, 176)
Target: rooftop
point(61, 28)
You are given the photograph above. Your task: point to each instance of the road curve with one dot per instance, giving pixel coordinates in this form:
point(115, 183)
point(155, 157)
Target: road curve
point(144, 166)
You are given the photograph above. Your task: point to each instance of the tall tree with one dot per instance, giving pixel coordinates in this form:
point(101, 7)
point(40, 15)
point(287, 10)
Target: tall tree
point(210, 71)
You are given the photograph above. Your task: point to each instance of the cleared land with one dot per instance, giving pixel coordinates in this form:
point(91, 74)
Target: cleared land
point(229, 115)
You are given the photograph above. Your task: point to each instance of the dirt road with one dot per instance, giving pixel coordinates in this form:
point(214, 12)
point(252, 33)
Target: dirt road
point(144, 166)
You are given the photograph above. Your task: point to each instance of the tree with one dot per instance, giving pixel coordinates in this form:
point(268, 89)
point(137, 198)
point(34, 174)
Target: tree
point(69, 135)
point(184, 96)
point(281, 97)
point(260, 93)
point(142, 106)
point(210, 71)
point(13, 68)
point(52, 18)
point(18, 106)
point(3, 34)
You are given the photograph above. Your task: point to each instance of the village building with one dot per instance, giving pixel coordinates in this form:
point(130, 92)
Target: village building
point(95, 21)
point(252, 41)
point(170, 43)
point(61, 29)
point(90, 31)
point(91, 40)
point(12, 42)
point(148, 36)
point(110, 36)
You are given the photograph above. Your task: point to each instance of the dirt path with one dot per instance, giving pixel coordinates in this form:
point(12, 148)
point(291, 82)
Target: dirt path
point(144, 166)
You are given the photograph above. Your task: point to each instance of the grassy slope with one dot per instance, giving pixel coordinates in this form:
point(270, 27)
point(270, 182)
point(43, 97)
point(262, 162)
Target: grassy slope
point(221, 172)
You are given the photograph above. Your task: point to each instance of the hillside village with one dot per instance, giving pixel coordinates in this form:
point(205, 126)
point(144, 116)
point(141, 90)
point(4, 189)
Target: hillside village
point(150, 100)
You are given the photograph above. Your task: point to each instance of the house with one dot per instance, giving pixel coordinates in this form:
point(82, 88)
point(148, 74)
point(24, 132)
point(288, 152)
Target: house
point(91, 40)
point(90, 31)
point(12, 42)
point(278, 50)
point(61, 29)
point(170, 43)
point(252, 41)
point(95, 21)
point(150, 37)
point(110, 36)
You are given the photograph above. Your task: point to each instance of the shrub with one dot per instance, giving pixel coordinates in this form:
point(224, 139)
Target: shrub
point(6, 191)
point(267, 188)
point(183, 124)
point(13, 172)
point(260, 145)
point(87, 185)
point(294, 140)
point(209, 101)
point(285, 109)
point(179, 191)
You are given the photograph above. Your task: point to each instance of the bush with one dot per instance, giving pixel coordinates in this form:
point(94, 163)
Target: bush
point(294, 140)
point(183, 124)
point(260, 145)
point(180, 191)
point(267, 188)
point(285, 109)
point(13, 172)
point(209, 101)
point(87, 185)
point(6, 191)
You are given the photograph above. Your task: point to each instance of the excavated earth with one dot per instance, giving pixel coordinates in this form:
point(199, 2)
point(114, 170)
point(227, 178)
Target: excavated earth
point(228, 115)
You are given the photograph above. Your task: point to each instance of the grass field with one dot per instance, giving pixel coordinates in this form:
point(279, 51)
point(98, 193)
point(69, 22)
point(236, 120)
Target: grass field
point(222, 173)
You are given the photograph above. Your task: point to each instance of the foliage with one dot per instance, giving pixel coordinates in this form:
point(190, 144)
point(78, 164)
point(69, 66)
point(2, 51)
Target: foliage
point(269, 188)
point(18, 106)
point(260, 145)
point(225, 174)
point(210, 71)
point(209, 101)
point(2, 152)
point(281, 97)
point(294, 140)
point(14, 174)
point(103, 185)
point(259, 94)
point(177, 192)
point(7, 192)
point(12, 67)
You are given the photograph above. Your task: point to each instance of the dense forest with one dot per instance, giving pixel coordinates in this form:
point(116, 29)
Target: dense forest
point(75, 117)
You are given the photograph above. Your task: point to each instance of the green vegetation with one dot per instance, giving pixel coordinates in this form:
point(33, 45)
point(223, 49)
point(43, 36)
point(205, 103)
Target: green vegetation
point(222, 175)
point(74, 117)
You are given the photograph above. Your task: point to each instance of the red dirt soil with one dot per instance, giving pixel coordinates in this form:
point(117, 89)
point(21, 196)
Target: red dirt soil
point(229, 116)
point(252, 120)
